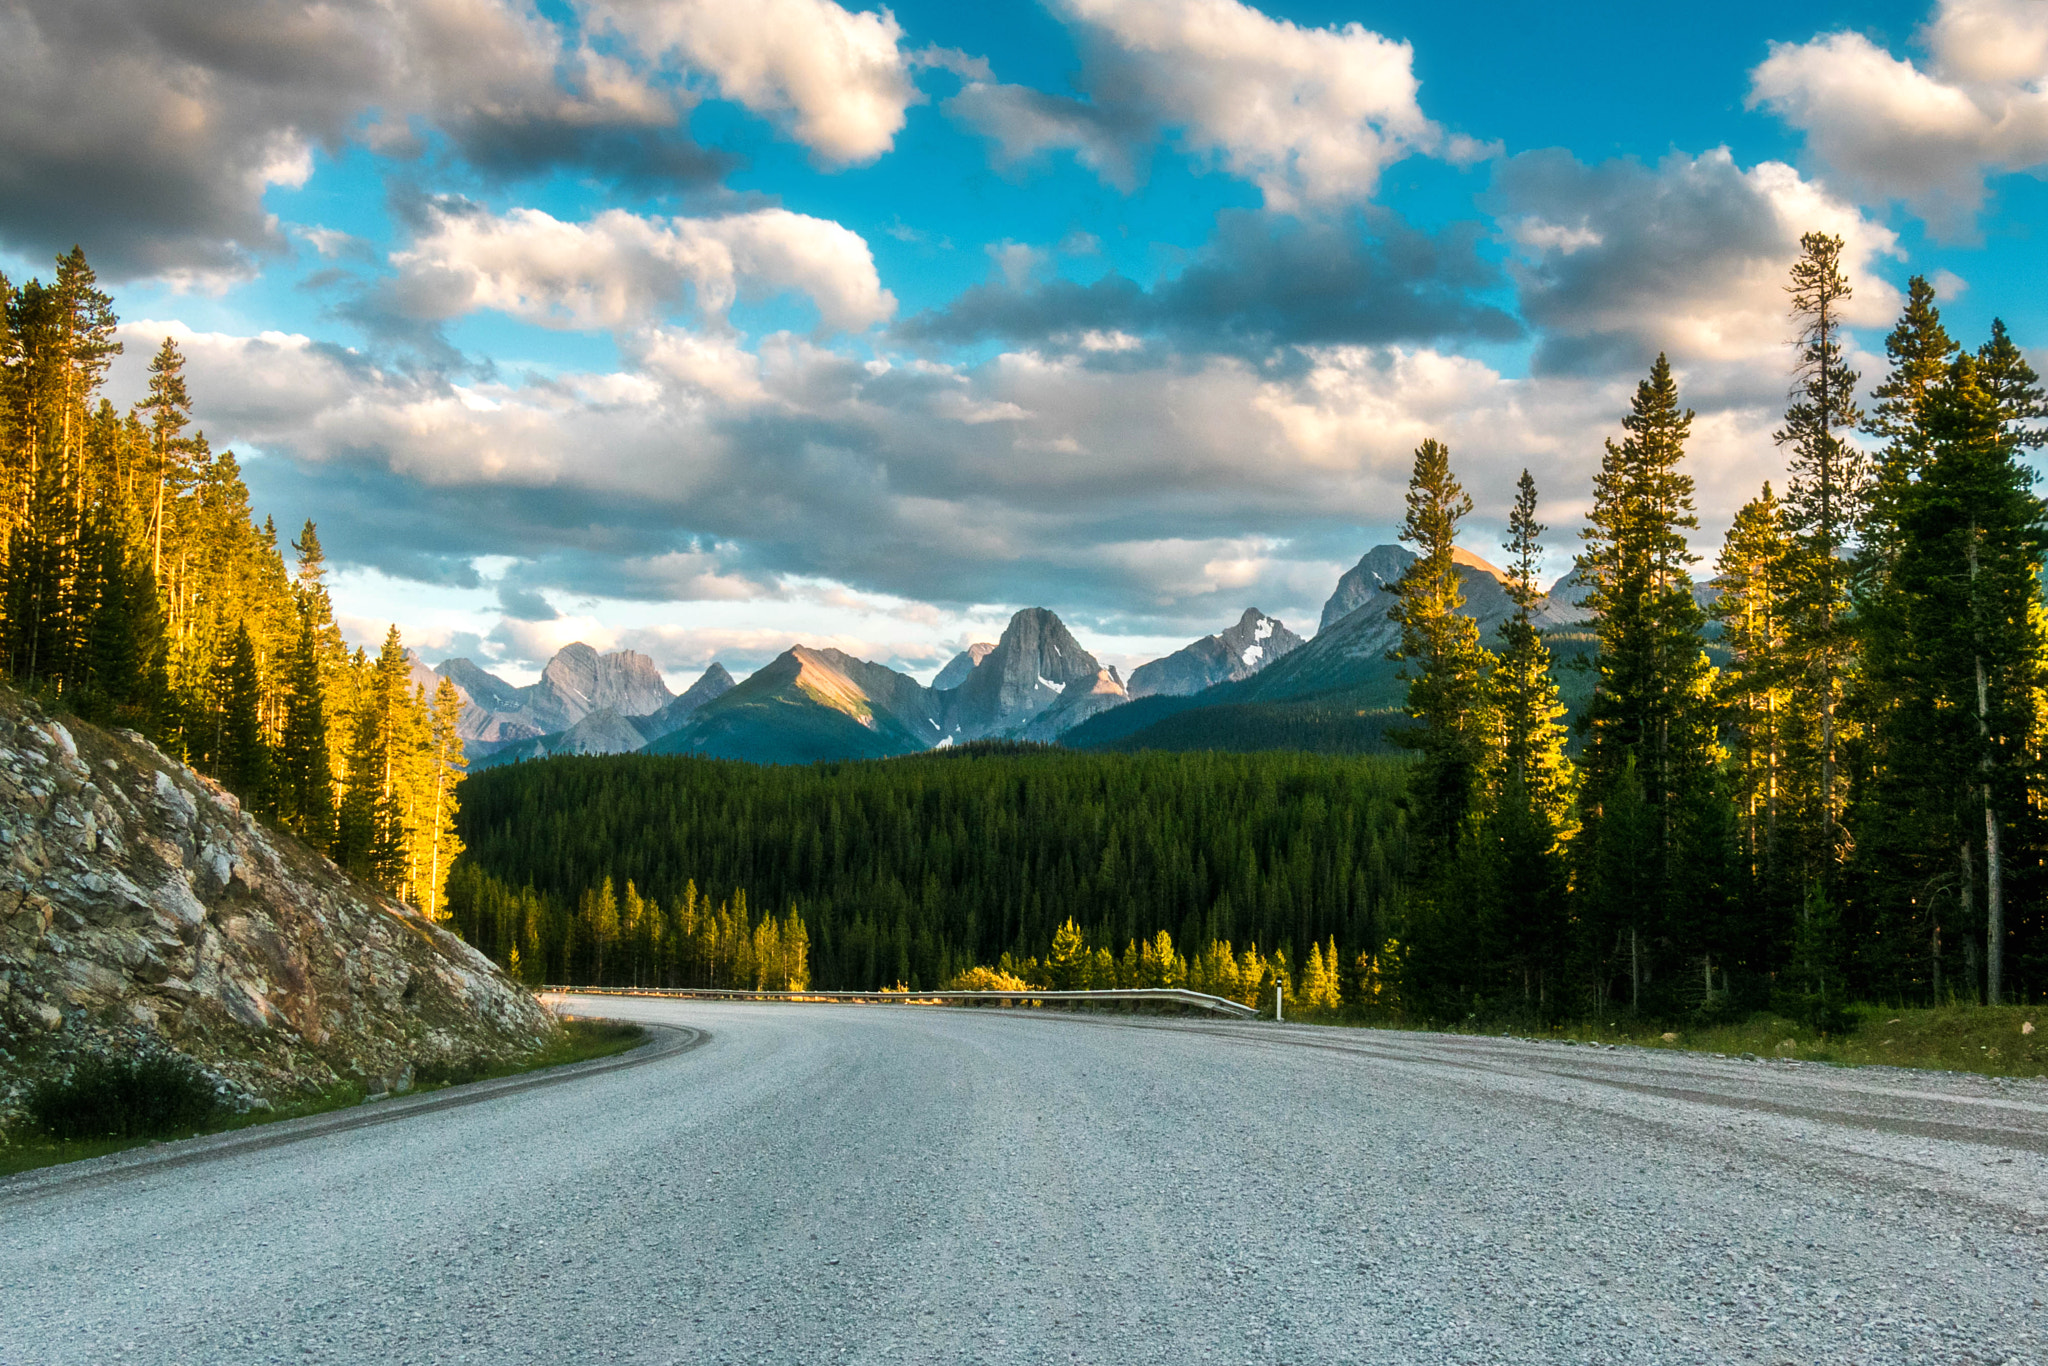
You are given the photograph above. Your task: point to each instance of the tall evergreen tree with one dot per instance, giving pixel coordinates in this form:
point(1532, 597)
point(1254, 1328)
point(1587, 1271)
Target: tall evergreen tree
point(1974, 536)
point(1650, 726)
point(305, 776)
point(1751, 605)
point(244, 763)
point(1528, 809)
point(1824, 504)
point(1445, 665)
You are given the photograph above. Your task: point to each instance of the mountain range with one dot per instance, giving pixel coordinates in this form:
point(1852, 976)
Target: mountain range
point(1254, 684)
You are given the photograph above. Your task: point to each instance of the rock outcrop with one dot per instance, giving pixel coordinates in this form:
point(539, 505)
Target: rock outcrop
point(1083, 698)
point(961, 665)
point(1027, 672)
point(714, 683)
point(142, 909)
point(575, 683)
point(1239, 652)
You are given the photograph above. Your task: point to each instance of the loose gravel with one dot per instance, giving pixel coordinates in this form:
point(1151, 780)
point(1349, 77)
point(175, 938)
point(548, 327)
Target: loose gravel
point(900, 1184)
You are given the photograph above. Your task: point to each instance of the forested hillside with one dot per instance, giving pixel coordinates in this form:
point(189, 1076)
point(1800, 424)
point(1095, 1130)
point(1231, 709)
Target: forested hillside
point(910, 870)
point(140, 591)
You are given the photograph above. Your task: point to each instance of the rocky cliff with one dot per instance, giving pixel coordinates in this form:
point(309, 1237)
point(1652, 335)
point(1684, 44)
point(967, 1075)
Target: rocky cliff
point(1028, 671)
point(142, 909)
point(1239, 652)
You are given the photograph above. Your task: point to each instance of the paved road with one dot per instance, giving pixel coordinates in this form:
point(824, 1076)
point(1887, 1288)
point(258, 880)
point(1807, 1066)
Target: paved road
point(822, 1184)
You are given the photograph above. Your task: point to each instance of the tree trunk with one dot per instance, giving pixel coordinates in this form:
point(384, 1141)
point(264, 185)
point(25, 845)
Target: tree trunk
point(1969, 898)
point(1994, 906)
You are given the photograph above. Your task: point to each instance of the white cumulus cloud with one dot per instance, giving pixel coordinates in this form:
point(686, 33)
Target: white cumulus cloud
point(621, 271)
point(837, 80)
point(1309, 115)
point(1927, 134)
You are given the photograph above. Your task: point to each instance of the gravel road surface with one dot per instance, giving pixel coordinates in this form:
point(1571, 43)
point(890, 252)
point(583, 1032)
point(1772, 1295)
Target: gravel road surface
point(887, 1184)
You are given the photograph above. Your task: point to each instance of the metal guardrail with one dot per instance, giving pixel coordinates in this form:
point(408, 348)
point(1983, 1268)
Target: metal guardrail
point(1156, 995)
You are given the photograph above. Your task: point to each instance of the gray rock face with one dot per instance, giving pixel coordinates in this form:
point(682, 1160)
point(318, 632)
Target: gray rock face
point(1352, 650)
point(1369, 579)
point(604, 731)
point(579, 681)
point(1239, 652)
point(1027, 672)
point(1369, 585)
point(1083, 698)
point(485, 689)
point(575, 683)
point(961, 665)
point(141, 909)
point(714, 683)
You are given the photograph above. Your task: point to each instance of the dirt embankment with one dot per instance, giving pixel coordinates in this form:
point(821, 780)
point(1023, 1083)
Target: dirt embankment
point(142, 909)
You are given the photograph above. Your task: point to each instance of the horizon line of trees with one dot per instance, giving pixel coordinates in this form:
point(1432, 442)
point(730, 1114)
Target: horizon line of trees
point(138, 590)
point(608, 937)
point(1852, 808)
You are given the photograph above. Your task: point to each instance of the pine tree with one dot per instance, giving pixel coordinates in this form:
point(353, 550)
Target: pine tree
point(1650, 724)
point(1974, 538)
point(169, 407)
point(2013, 389)
point(1751, 607)
point(244, 765)
point(305, 778)
point(1528, 810)
point(1445, 665)
point(438, 811)
point(1823, 506)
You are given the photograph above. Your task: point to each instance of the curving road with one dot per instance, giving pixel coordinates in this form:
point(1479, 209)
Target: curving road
point(885, 1184)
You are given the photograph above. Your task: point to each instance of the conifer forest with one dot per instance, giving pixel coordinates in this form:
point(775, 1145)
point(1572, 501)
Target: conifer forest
point(141, 592)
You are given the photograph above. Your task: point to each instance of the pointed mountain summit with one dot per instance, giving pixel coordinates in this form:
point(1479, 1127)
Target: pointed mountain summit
point(714, 683)
point(579, 681)
point(1350, 651)
point(961, 665)
point(1027, 672)
point(1239, 652)
point(808, 705)
point(486, 690)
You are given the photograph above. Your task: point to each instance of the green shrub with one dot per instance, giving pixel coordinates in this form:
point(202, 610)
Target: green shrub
point(140, 1097)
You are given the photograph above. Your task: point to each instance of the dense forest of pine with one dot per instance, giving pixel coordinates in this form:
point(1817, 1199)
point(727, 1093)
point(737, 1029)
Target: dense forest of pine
point(1854, 806)
point(140, 592)
point(912, 870)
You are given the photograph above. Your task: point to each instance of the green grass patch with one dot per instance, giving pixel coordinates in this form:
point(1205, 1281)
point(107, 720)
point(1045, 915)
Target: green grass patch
point(1988, 1040)
point(110, 1106)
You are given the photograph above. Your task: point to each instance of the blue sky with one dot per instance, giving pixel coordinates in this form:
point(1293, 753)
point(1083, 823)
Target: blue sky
point(704, 327)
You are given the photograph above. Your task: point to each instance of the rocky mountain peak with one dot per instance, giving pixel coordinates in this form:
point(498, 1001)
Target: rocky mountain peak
point(1379, 568)
point(1231, 654)
point(961, 665)
point(485, 689)
point(1030, 667)
point(1257, 640)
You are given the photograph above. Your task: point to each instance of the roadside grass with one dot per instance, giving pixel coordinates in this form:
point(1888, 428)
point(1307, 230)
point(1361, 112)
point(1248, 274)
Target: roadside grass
point(578, 1040)
point(1988, 1040)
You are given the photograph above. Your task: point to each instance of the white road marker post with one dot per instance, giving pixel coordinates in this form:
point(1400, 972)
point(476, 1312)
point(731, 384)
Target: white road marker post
point(1279, 1004)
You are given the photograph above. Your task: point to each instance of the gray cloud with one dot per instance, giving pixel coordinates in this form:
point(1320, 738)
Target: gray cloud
point(150, 129)
point(1618, 260)
point(524, 605)
point(1264, 280)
